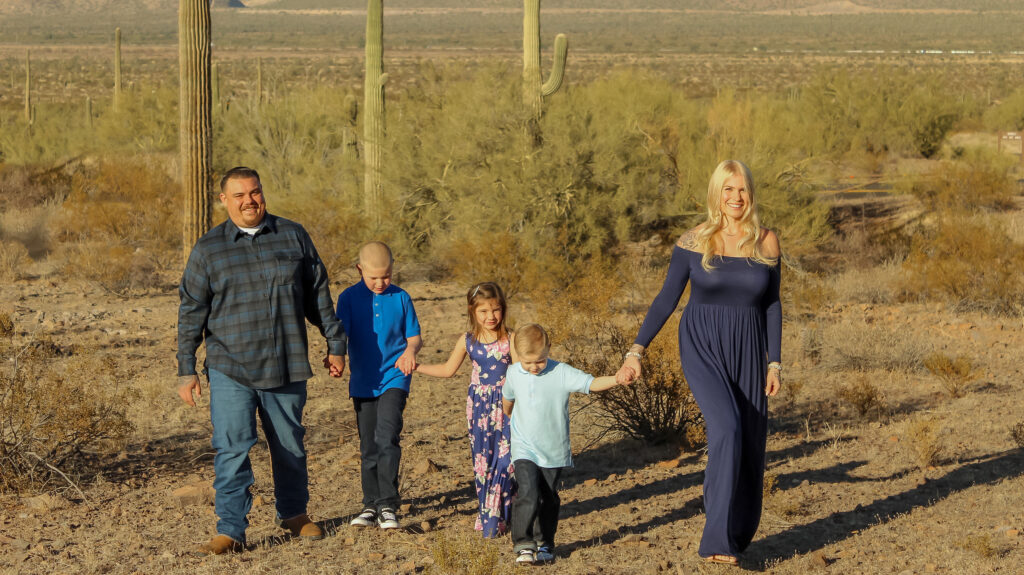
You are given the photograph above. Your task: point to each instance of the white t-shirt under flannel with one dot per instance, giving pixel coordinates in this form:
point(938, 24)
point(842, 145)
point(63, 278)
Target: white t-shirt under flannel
point(540, 418)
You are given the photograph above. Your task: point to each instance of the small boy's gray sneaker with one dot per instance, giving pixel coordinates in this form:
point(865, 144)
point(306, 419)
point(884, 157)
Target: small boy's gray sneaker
point(387, 519)
point(525, 557)
point(366, 518)
point(544, 555)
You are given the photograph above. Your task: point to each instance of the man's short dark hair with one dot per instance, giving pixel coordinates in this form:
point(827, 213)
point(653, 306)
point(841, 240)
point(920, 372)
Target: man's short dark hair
point(238, 173)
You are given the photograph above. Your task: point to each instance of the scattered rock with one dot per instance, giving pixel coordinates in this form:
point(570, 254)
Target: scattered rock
point(58, 544)
point(670, 464)
point(1012, 532)
point(405, 508)
point(426, 466)
point(375, 556)
point(426, 526)
point(819, 560)
point(258, 501)
point(407, 567)
point(631, 538)
point(931, 567)
point(44, 502)
point(20, 545)
point(590, 482)
point(194, 494)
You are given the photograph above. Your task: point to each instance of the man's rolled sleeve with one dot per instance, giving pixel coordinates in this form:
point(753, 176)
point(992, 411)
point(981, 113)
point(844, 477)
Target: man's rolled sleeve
point(196, 295)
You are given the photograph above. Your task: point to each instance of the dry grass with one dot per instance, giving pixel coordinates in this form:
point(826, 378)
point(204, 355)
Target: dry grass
point(869, 284)
point(954, 373)
point(855, 345)
point(466, 554)
point(1017, 434)
point(925, 437)
point(13, 259)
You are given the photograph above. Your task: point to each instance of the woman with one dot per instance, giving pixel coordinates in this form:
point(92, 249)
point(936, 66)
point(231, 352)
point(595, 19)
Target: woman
point(729, 343)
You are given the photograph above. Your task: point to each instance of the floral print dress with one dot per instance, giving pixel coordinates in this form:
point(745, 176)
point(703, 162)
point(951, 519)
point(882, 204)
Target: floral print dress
point(489, 434)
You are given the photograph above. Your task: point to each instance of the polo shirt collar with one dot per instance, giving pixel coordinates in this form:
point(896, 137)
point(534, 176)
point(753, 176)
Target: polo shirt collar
point(391, 288)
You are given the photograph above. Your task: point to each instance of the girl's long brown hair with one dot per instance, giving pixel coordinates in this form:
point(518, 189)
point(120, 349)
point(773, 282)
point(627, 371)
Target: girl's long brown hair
point(479, 293)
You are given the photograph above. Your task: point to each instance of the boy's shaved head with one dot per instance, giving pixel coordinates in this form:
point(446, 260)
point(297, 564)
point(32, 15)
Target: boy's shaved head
point(375, 255)
point(531, 339)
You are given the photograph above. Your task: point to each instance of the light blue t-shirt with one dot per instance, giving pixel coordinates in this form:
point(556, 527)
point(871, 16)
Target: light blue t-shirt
point(377, 326)
point(540, 417)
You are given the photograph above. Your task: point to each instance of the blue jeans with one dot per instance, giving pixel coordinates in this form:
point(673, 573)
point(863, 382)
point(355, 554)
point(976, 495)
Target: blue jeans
point(233, 409)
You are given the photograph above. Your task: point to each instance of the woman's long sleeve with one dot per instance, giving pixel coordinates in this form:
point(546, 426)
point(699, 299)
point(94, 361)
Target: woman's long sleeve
point(772, 306)
point(668, 298)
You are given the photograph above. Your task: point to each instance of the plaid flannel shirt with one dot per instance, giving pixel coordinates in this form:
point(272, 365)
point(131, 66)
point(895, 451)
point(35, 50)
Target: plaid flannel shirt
point(248, 296)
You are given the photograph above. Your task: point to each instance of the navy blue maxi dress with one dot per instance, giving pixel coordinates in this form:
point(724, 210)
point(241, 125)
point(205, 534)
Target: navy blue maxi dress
point(730, 329)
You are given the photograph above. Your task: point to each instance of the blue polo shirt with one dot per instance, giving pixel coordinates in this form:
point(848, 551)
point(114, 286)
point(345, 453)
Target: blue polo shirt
point(377, 326)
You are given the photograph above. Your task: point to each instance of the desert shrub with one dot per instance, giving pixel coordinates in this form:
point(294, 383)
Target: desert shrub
point(52, 407)
point(954, 373)
point(853, 345)
point(770, 485)
point(982, 545)
point(1017, 433)
point(861, 393)
point(924, 436)
point(464, 555)
point(116, 268)
point(980, 180)
point(968, 263)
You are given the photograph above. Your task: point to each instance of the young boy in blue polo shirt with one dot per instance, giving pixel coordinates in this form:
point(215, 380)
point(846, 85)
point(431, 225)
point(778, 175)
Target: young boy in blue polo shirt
point(538, 389)
point(383, 340)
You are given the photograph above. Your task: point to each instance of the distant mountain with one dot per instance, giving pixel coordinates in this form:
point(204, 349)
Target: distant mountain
point(47, 7)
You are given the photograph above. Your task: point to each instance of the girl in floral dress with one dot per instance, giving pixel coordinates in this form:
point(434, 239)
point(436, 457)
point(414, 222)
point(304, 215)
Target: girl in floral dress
point(488, 344)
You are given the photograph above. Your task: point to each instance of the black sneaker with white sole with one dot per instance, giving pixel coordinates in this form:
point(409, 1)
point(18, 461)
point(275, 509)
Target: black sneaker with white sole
point(366, 518)
point(387, 519)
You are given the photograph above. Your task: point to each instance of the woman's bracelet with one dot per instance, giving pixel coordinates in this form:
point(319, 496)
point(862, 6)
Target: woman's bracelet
point(776, 366)
point(634, 354)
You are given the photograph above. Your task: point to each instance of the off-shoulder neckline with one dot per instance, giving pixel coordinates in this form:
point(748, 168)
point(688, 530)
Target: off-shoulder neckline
point(696, 253)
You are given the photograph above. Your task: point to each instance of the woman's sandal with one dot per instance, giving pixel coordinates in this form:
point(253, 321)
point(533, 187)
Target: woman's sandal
point(722, 559)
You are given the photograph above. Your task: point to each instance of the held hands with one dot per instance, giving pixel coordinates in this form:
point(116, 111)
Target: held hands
point(773, 383)
point(335, 365)
point(187, 384)
point(629, 371)
point(406, 362)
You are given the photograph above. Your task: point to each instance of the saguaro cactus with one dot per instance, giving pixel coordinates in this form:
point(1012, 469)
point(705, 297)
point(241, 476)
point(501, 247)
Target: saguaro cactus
point(215, 85)
point(534, 91)
point(117, 69)
point(373, 117)
point(350, 145)
point(259, 81)
point(28, 87)
point(196, 123)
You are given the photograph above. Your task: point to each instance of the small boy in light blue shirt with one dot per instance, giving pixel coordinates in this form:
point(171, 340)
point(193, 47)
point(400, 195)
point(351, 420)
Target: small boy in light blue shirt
point(536, 398)
point(384, 337)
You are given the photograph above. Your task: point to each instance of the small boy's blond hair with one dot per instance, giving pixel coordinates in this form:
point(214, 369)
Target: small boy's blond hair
point(531, 339)
point(375, 255)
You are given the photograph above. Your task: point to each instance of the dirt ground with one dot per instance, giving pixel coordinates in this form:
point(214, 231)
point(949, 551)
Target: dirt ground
point(848, 496)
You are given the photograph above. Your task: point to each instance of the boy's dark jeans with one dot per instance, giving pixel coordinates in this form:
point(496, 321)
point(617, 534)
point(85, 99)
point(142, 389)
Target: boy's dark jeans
point(379, 420)
point(535, 509)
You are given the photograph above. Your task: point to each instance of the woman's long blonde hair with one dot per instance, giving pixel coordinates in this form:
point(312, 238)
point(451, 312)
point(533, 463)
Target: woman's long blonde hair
point(750, 223)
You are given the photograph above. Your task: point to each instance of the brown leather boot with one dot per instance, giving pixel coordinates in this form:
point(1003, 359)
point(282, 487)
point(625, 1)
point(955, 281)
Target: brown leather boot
point(220, 544)
point(303, 526)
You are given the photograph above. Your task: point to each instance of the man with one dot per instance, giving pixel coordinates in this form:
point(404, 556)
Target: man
point(248, 286)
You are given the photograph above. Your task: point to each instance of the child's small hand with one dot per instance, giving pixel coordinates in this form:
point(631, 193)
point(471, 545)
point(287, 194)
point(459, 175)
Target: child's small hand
point(406, 363)
point(625, 376)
